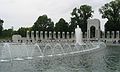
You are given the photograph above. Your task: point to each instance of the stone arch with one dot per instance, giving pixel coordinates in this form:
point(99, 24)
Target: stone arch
point(94, 26)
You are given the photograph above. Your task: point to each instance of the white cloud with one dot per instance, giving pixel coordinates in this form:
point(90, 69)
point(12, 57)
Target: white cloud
point(20, 13)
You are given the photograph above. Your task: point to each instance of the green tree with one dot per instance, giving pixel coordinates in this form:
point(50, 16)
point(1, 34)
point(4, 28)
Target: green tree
point(43, 23)
point(61, 26)
point(80, 17)
point(7, 33)
point(111, 11)
point(1, 26)
point(22, 31)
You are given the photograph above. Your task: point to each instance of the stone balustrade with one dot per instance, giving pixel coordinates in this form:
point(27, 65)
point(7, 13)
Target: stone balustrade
point(38, 36)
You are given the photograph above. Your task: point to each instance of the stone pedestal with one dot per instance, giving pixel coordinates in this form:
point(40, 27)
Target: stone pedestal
point(32, 36)
point(41, 35)
point(117, 34)
point(113, 34)
point(58, 35)
point(72, 35)
point(67, 35)
point(27, 35)
point(37, 36)
point(46, 35)
point(63, 35)
point(54, 35)
point(108, 34)
point(50, 35)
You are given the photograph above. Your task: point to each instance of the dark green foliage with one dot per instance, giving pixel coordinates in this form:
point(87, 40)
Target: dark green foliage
point(1, 26)
point(43, 23)
point(7, 33)
point(111, 11)
point(80, 17)
point(61, 26)
point(1, 21)
point(22, 31)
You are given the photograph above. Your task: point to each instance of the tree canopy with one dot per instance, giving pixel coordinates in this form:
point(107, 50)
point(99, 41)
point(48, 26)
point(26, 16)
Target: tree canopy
point(7, 33)
point(1, 21)
point(61, 26)
point(1, 26)
point(22, 31)
point(111, 11)
point(43, 23)
point(80, 17)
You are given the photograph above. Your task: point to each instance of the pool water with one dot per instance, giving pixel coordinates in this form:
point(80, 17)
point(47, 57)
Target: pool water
point(105, 60)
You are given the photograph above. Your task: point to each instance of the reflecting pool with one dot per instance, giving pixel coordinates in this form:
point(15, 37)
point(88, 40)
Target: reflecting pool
point(104, 60)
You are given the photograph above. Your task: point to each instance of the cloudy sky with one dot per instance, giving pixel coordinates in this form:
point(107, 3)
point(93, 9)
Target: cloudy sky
point(23, 13)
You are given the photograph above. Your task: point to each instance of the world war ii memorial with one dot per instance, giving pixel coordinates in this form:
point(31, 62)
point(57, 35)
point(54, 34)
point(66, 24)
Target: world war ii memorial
point(78, 46)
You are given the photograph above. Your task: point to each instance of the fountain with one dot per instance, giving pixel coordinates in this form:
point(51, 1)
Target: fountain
point(20, 52)
point(49, 50)
point(5, 53)
point(78, 35)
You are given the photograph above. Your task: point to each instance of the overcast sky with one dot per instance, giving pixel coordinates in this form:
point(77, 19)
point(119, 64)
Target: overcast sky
point(23, 13)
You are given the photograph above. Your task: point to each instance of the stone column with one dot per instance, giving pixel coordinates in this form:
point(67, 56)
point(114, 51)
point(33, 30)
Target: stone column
point(63, 35)
point(67, 35)
point(108, 34)
point(117, 34)
point(54, 35)
point(32, 36)
point(41, 35)
point(27, 35)
point(46, 35)
point(37, 36)
point(50, 35)
point(58, 35)
point(72, 35)
point(113, 34)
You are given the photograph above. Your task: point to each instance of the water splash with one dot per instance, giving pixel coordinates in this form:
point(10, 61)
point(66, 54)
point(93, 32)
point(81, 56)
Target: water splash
point(39, 49)
point(58, 49)
point(31, 51)
point(7, 48)
point(78, 35)
point(48, 50)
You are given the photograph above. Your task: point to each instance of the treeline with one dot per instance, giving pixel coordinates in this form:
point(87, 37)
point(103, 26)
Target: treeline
point(79, 16)
point(111, 11)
